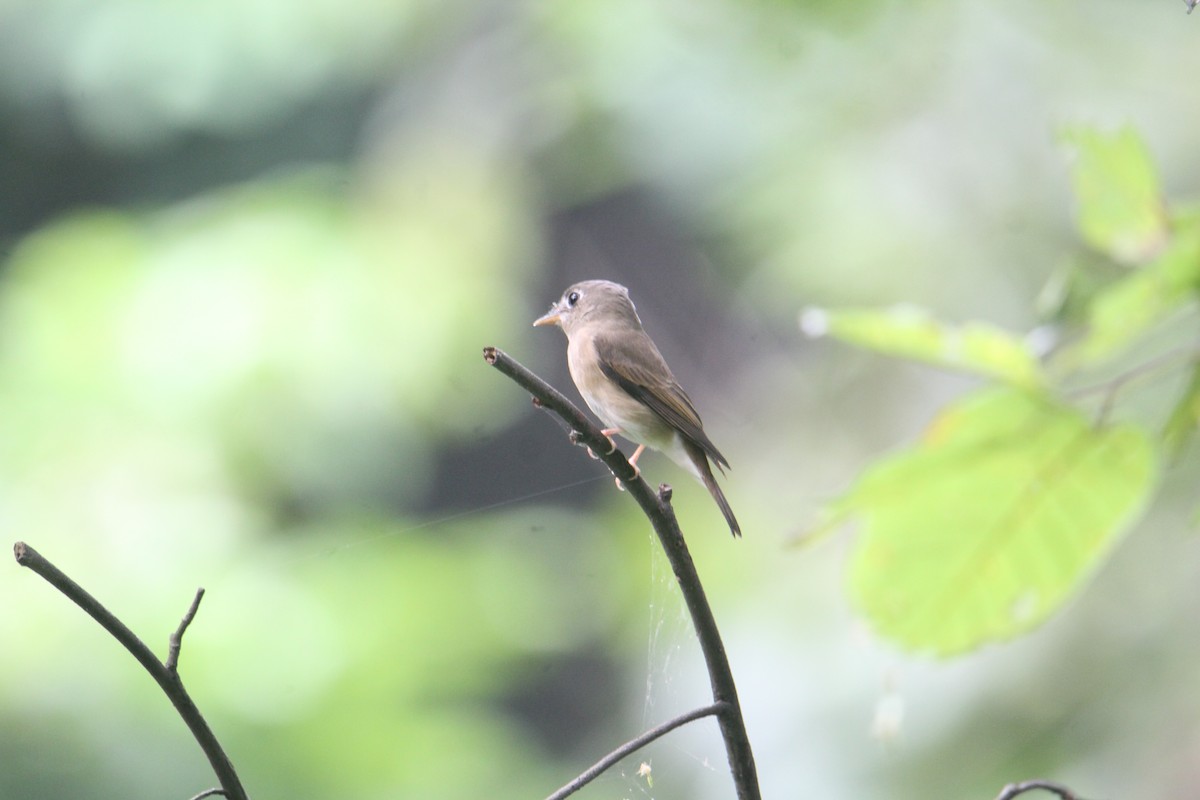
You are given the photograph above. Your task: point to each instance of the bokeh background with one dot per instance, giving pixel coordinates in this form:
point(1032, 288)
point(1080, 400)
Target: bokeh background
point(251, 253)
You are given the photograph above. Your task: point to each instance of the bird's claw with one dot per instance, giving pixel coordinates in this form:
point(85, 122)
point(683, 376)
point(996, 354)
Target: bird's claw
point(612, 445)
point(637, 472)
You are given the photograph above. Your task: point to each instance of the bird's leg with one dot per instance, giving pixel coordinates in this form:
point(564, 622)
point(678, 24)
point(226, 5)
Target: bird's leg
point(633, 459)
point(608, 434)
point(633, 463)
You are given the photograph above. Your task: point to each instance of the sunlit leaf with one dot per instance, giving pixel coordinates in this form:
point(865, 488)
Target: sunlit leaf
point(980, 531)
point(973, 347)
point(1120, 206)
point(1136, 303)
point(1185, 416)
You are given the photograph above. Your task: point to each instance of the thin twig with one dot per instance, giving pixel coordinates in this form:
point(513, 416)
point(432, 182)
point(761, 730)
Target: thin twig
point(1014, 789)
point(167, 679)
point(176, 641)
point(1110, 388)
point(210, 793)
point(637, 743)
point(658, 510)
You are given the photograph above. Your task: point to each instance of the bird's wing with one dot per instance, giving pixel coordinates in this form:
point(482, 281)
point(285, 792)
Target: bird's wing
point(648, 379)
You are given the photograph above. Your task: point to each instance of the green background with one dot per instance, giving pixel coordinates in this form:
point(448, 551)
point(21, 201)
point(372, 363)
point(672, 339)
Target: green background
point(252, 251)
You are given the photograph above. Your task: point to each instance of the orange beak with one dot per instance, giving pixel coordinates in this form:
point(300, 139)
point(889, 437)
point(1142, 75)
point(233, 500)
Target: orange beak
point(551, 317)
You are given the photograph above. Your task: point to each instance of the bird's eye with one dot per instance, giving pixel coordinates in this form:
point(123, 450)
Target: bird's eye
point(572, 298)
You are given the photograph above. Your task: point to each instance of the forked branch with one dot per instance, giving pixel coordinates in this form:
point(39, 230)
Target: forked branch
point(632, 746)
point(165, 674)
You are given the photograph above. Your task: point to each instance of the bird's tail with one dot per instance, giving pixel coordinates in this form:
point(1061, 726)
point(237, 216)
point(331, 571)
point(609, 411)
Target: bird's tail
point(700, 460)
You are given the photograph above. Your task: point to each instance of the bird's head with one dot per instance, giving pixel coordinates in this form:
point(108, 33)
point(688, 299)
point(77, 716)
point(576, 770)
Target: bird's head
point(588, 302)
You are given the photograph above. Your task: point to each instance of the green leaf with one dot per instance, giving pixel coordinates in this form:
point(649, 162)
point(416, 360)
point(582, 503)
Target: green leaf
point(1138, 302)
point(1181, 425)
point(907, 331)
point(982, 530)
point(1120, 204)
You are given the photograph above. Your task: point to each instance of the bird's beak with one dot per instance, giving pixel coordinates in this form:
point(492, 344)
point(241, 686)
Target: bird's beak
point(551, 317)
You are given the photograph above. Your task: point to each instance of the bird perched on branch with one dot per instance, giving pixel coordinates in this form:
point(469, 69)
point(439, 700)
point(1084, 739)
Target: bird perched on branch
point(625, 381)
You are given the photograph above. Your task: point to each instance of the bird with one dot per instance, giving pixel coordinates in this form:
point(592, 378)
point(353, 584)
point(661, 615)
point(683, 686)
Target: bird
point(624, 379)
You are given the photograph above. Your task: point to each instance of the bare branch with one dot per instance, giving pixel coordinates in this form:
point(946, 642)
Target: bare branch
point(176, 640)
point(583, 432)
point(167, 679)
point(637, 743)
point(657, 508)
point(209, 793)
point(1014, 789)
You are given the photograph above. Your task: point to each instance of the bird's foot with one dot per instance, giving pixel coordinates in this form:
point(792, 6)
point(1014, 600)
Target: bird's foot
point(608, 434)
point(612, 445)
point(637, 472)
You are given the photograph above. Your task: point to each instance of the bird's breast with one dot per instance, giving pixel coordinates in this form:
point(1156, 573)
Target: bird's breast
point(615, 407)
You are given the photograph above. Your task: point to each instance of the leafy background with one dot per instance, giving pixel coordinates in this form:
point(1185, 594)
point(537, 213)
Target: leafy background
point(252, 251)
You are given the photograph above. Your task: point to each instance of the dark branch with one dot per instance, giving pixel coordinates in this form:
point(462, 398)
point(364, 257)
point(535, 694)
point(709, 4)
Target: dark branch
point(594, 771)
point(1014, 789)
point(167, 679)
point(583, 432)
point(176, 640)
point(657, 508)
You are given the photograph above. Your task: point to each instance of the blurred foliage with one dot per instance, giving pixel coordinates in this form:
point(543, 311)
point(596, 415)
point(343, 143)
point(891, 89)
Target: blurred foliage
point(251, 252)
point(976, 348)
point(981, 532)
point(1120, 202)
point(985, 527)
point(1136, 304)
point(252, 335)
point(136, 75)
